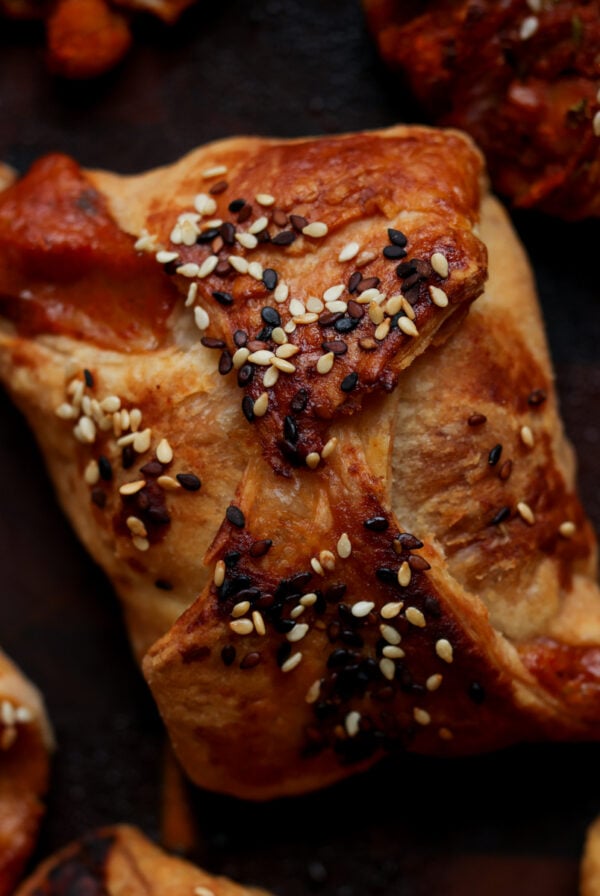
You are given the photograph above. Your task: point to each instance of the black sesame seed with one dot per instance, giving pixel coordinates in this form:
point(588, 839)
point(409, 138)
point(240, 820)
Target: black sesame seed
point(283, 652)
point(159, 516)
point(335, 592)
point(431, 605)
point(105, 468)
point(409, 542)
point(223, 268)
point(345, 324)
point(376, 524)
point(128, 457)
point(250, 660)
point(349, 382)
point(219, 187)
point(228, 654)
point(299, 401)
point(476, 692)
point(188, 481)
point(227, 231)
point(240, 337)
point(298, 222)
point(89, 379)
point(397, 238)
point(268, 314)
point(163, 585)
point(260, 548)
point(207, 236)
point(99, 497)
point(236, 205)
point(537, 397)
point(387, 575)
point(505, 470)
point(494, 455)
point(248, 408)
point(244, 213)
point(283, 626)
point(152, 468)
point(503, 514)
point(285, 238)
point(290, 430)
point(339, 658)
point(353, 282)
point(245, 374)
point(231, 558)
point(355, 310)
point(419, 563)
point(225, 363)
point(394, 252)
point(406, 269)
point(337, 346)
point(369, 283)
point(328, 318)
point(477, 419)
point(270, 278)
point(235, 516)
point(211, 342)
point(223, 298)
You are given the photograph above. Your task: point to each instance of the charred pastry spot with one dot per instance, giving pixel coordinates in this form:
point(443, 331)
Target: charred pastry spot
point(537, 397)
point(260, 548)
point(494, 455)
point(502, 515)
point(163, 585)
point(477, 419)
point(194, 654)
point(188, 481)
point(376, 524)
point(223, 298)
point(235, 516)
point(228, 654)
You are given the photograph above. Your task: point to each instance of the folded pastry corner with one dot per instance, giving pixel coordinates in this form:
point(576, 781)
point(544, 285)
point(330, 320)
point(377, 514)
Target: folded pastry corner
point(120, 859)
point(331, 489)
point(26, 742)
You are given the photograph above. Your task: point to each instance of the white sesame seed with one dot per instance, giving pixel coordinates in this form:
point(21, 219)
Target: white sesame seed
point(240, 357)
point(439, 263)
point(391, 610)
point(203, 891)
point(344, 546)
point(287, 351)
point(131, 488)
point(146, 242)
point(265, 199)
point(433, 682)
point(415, 617)
point(313, 460)
point(407, 326)
point(404, 574)
point(352, 723)
point(23, 715)
point(135, 418)
point(393, 652)
point(308, 318)
point(290, 326)
point(238, 263)
point(312, 693)
point(325, 363)
point(261, 405)
point(317, 566)
point(528, 27)
point(255, 270)
point(307, 600)
point(336, 307)
point(270, 378)
point(438, 296)
point(393, 305)
point(408, 309)
point(316, 230)
point(259, 225)
point(526, 512)
point(334, 292)
point(136, 526)
point(241, 626)
point(367, 296)
point(214, 171)
point(596, 123)
point(327, 560)
point(296, 307)
point(282, 291)
point(421, 716)
point(298, 632)
point(362, 608)
point(383, 329)
point(208, 266)
point(140, 543)
point(390, 634)
point(292, 662)
point(187, 231)
point(169, 483)
point(278, 336)
point(314, 304)
point(240, 609)
point(164, 257)
point(141, 441)
point(297, 611)
point(85, 431)
point(387, 667)
point(86, 405)
point(205, 205)
point(66, 411)
point(123, 441)
point(110, 404)
point(91, 473)
point(124, 419)
point(7, 713)
point(262, 357)
point(444, 650)
point(259, 623)
point(329, 447)
point(282, 364)
point(188, 270)
point(201, 318)
point(210, 225)
point(219, 574)
point(527, 436)
point(349, 251)
point(365, 257)
point(535, 5)
point(376, 314)
point(567, 529)
point(164, 452)
point(247, 240)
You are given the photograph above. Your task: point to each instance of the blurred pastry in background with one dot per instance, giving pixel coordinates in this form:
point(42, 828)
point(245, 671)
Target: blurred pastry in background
point(522, 78)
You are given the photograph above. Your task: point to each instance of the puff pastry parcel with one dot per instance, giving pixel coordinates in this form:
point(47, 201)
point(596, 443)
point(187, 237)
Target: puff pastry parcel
point(339, 510)
point(25, 745)
point(522, 78)
point(118, 860)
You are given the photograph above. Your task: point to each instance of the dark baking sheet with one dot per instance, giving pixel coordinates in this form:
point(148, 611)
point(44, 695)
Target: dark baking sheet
point(512, 822)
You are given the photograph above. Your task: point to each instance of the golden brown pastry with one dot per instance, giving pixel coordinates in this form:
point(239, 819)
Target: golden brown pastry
point(254, 378)
point(522, 77)
point(88, 37)
point(118, 860)
point(25, 743)
point(590, 865)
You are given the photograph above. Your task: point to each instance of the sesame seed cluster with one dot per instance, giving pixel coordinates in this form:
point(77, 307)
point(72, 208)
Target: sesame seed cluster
point(13, 717)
